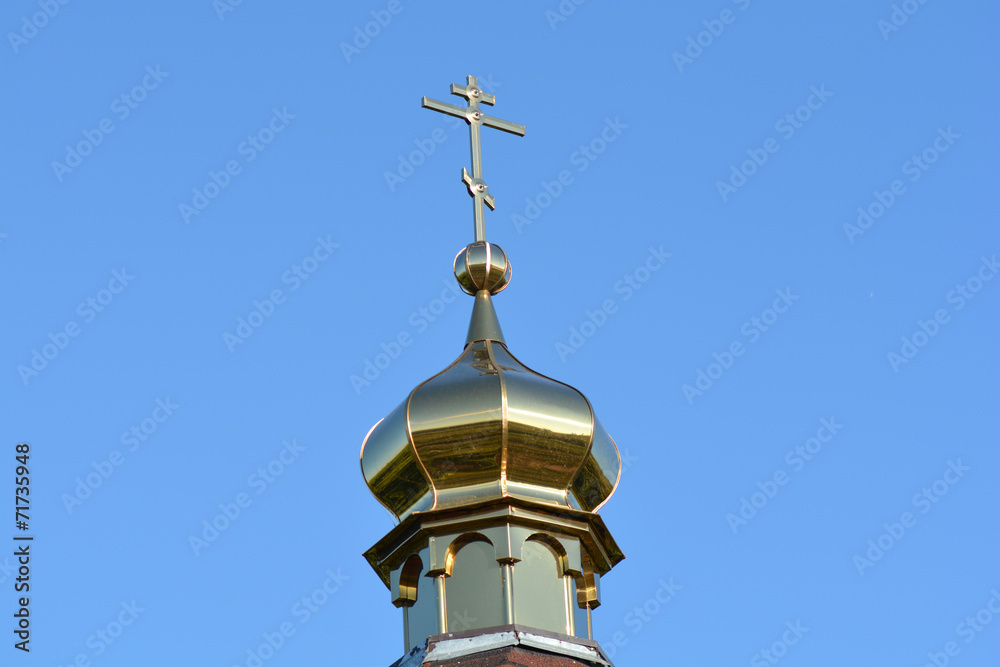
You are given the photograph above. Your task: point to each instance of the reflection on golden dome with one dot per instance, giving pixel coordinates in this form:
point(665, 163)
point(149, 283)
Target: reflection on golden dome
point(489, 427)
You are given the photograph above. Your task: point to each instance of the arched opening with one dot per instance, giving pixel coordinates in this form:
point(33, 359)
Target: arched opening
point(474, 587)
point(542, 594)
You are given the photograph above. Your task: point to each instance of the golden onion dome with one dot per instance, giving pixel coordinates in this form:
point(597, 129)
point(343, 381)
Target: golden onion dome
point(487, 426)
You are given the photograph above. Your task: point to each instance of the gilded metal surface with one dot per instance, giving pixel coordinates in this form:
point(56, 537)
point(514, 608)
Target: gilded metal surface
point(390, 466)
point(593, 486)
point(482, 266)
point(474, 116)
point(484, 324)
point(488, 427)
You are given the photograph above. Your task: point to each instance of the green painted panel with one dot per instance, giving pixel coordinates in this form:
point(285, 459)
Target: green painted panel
point(474, 589)
point(539, 591)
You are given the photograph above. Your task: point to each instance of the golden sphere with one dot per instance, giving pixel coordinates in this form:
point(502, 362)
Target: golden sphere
point(482, 266)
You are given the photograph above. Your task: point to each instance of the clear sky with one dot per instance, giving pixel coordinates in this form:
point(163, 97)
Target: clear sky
point(761, 237)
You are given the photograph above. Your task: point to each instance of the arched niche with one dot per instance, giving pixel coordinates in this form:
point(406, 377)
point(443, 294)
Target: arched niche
point(543, 593)
point(473, 589)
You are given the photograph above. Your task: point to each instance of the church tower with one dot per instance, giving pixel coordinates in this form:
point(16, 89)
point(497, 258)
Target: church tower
point(495, 474)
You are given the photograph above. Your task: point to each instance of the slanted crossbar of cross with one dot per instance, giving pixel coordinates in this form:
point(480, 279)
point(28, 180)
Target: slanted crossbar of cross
point(475, 117)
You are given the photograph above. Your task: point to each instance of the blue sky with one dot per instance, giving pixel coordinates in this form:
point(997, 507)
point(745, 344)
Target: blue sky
point(216, 214)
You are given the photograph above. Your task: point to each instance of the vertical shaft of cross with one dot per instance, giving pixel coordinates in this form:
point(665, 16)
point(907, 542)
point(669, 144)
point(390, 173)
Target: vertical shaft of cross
point(479, 212)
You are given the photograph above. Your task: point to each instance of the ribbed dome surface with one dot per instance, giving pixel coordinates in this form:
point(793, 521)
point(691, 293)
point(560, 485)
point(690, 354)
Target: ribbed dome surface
point(488, 427)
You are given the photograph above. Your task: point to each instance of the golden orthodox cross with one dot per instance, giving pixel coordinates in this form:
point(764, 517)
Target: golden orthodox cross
point(474, 116)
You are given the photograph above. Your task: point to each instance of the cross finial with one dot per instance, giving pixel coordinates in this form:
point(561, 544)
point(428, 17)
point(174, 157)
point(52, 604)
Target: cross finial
point(474, 116)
